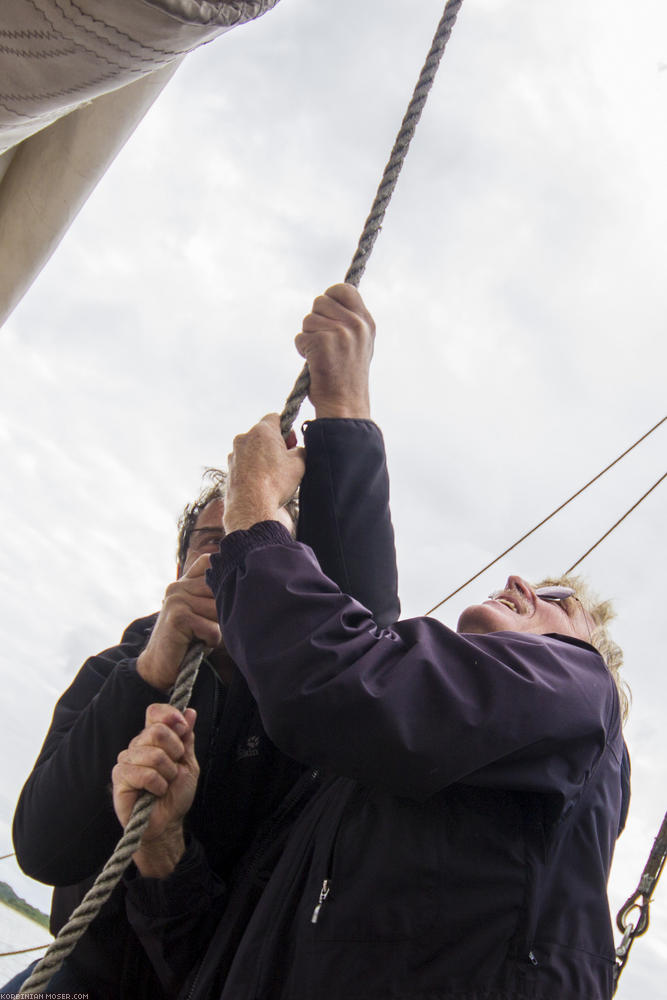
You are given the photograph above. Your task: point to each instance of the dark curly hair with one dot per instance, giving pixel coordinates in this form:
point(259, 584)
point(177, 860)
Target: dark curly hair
point(214, 491)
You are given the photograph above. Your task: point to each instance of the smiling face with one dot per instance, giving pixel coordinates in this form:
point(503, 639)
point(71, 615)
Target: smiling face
point(517, 608)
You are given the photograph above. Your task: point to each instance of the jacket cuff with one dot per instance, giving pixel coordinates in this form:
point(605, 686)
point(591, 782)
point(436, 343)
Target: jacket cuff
point(343, 426)
point(187, 889)
point(236, 546)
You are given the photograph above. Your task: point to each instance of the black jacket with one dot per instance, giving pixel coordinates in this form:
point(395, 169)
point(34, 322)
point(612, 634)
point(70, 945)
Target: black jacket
point(466, 799)
point(65, 826)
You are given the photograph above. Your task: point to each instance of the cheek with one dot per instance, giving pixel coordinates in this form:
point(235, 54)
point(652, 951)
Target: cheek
point(483, 618)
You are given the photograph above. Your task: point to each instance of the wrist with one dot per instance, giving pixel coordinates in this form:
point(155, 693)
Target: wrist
point(359, 410)
point(243, 513)
point(148, 672)
point(158, 858)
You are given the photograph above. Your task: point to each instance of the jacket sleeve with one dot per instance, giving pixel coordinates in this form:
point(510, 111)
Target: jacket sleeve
point(414, 708)
point(65, 826)
point(175, 916)
point(353, 541)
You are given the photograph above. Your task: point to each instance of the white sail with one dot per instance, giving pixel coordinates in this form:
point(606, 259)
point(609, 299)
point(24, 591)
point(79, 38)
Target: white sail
point(75, 80)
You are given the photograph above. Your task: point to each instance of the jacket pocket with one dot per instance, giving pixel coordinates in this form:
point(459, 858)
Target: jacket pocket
point(377, 877)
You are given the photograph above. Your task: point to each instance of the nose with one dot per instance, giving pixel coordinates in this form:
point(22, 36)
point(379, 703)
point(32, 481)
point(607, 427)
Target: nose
point(518, 583)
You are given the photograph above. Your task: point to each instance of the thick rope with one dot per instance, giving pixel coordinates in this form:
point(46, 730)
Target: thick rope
point(113, 870)
point(129, 842)
point(385, 190)
point(553, 514)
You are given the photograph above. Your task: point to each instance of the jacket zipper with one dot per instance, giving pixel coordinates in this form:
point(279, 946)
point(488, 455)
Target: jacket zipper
point(327, 882)
point(324, 892)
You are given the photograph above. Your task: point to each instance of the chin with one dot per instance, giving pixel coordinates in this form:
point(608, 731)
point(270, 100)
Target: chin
point(480, 619)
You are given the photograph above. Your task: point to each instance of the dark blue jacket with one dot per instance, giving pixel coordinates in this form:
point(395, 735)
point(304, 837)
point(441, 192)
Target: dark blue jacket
point(467, 801)
point(65, 826)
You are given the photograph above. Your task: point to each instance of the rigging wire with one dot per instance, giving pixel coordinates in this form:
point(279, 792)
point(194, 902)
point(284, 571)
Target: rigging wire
point(22, 951)
point(552, 514)
point(588, 551)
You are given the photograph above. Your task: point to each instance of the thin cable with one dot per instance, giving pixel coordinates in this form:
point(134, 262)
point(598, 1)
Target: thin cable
point(588, 551)
point(22, 951)
point(385, 190)
point(548, 517)
point(3, 856)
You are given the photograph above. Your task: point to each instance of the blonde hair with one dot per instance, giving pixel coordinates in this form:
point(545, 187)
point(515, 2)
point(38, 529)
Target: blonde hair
point(602, 613)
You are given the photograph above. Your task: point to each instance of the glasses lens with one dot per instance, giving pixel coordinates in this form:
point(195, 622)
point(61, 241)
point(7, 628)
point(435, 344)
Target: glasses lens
point(554, 593)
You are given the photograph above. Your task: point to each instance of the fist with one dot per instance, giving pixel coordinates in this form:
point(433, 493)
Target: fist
point(337, 340)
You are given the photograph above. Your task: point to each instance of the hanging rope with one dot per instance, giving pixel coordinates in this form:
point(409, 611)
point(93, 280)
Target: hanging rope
point(553, 514)
point(129, 842)
point(113, 870)
point(640, 901)
point(385, 190)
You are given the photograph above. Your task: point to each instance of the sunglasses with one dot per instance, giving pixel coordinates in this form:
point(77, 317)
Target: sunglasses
point(554, 593)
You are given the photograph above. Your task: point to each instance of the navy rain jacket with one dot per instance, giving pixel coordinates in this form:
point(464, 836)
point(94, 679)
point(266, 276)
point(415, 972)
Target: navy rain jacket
point(467, 801)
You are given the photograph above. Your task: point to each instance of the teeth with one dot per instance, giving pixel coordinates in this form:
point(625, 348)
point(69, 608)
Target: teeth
point(509, 604)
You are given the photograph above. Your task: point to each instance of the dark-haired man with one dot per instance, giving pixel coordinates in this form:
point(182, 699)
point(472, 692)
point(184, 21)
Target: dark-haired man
point(65, 826)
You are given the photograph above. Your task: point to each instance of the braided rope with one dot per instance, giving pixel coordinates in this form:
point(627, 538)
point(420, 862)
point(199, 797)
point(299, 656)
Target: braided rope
point(112, 872)
point(385, 190)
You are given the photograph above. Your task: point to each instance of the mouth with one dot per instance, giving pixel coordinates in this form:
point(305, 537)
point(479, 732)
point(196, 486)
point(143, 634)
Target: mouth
point(514, 605)
point(509, 604)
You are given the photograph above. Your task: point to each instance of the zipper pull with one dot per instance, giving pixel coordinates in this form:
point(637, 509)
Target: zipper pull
point(324, 892)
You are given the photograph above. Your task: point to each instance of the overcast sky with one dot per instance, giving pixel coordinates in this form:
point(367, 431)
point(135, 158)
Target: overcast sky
point(519, 292)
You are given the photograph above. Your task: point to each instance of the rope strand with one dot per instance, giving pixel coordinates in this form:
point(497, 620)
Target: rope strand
point(385, 190)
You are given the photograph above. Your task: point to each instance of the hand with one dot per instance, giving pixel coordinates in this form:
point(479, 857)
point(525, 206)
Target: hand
point(188, 612)
point(337, 342)
point(161, 760)
point(263, 473)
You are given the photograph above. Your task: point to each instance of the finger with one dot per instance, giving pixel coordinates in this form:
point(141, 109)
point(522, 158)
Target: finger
point(160, 714)
point(198, 569)
point(297, 458)
point(189, 758)
point(349, 297)
point(272, 422)
point(290, 440)
point(164, 761)
point(136, 778)
point(327, 308)
point(153, 746)
point(194, 595)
